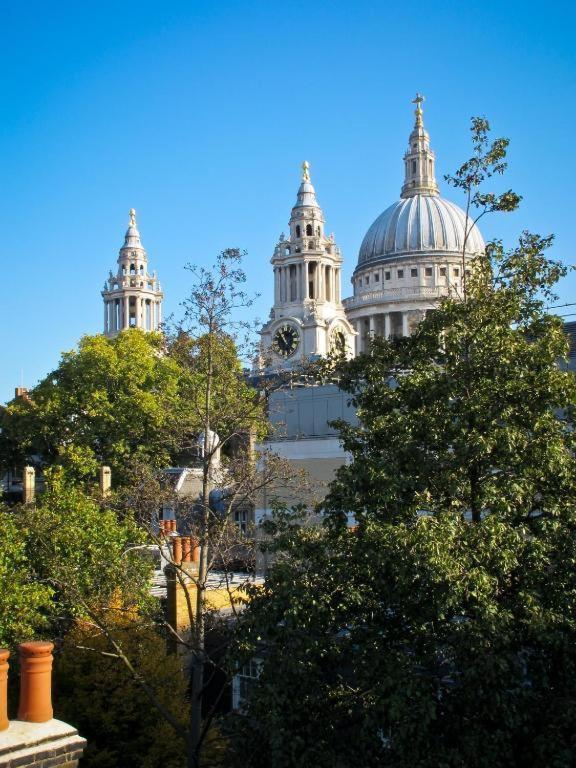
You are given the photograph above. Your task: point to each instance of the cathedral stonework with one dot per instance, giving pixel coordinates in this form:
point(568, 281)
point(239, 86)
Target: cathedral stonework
point(411, 256)
point(132, 297)
point(308, 317)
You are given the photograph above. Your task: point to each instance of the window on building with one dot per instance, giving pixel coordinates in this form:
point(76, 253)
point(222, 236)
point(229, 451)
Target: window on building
point(400, 273)
point(456, 272)
point(298, 230)
point(413, 167)
point(241, 521)
point(132, 269)
point(309, 231)
point(376, 277)
point(386, 275)
point(293, 282)
point(414, 272)
point(428, 272)
point(367, 279)
point(442, 271)
point(243, 682)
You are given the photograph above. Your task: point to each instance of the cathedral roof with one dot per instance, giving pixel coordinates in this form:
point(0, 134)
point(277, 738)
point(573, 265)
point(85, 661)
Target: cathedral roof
point(421, 222)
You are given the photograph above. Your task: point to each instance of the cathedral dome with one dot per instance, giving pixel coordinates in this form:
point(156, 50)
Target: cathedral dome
point(422, 223)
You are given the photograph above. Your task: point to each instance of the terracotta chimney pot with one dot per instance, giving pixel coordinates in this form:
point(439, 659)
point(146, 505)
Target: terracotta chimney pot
point(35, 682)
point(177, 550)
point(4, 688)
point(186, 549)
point(173, 526)
point(195, 546)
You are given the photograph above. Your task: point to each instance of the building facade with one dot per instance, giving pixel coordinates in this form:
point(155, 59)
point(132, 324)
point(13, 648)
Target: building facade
point(132, 297)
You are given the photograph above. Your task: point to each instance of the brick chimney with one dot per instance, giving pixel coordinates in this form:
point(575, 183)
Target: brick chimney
point(35, 739)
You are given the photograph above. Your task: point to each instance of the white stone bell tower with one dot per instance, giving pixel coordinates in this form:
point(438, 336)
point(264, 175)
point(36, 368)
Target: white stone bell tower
point(132, 297)
point(308, 317)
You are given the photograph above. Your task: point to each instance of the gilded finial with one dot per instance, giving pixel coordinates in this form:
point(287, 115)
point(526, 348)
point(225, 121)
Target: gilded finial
point(132, 217)
point(305, 171)
point(418, 112)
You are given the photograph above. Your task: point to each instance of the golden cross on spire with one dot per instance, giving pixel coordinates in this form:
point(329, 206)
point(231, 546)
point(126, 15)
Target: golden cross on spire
point(132, 215)
point(305, 171)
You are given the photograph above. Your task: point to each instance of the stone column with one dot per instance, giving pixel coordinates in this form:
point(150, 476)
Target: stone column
point(405, 331)
point(159, 312)
point(387, 325)
point(126, 312)
point(358, 328)
point(275, 285)
point(105, 316)
point(305, 280)
point(372, 326)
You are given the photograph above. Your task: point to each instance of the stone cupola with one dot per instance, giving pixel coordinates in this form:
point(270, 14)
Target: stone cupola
point(133, 296)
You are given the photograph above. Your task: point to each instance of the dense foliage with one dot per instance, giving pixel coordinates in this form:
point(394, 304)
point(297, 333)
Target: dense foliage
point(101, 698)
point(111, 401)
point(441, 630)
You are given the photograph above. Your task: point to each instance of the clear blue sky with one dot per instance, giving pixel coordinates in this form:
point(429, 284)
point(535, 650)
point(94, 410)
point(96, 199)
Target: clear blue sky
point(198, 114)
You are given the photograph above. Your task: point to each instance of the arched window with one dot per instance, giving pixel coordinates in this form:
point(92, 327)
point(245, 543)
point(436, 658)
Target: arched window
point(132, 269)
point(413, 167)
point(298, 234)
point(308, 230)
point(141, 269)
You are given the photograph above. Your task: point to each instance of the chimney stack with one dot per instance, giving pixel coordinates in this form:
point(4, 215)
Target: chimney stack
point(105, 481)
point(37, 740)
point(177, 550)
point(28, 485)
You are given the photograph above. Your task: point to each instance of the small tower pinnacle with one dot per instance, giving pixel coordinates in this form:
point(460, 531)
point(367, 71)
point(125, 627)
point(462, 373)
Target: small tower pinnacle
point(419, 178)
point(133, 296)
point(305, 171)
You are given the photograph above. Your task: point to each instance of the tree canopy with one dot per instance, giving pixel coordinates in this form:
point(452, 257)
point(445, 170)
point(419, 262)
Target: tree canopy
point(441, 629)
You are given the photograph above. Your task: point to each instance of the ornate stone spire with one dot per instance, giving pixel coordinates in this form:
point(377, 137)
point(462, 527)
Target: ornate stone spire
point(419, 178)
point(132, 236)
point(306, 194)
point(133, 296)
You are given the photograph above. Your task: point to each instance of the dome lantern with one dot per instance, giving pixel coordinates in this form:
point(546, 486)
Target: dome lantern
point(419, 178)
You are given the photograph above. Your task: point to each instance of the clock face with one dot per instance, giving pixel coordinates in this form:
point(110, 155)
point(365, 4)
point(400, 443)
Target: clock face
point(286, 340)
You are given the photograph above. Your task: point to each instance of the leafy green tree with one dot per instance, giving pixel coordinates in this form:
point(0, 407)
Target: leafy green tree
point(103, 700)
point(441, 630)
point(24, 601)
point(111, 401)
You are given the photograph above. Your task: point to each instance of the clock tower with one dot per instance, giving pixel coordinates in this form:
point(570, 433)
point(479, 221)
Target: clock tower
point(308, 318)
